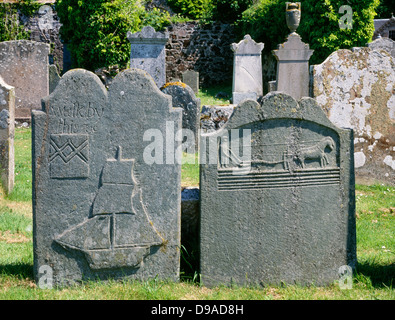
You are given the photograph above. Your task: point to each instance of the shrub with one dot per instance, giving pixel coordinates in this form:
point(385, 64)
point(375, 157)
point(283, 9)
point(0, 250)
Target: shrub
point(319, 25)
point(194, 9)
point(230, 10)
point(95, 31)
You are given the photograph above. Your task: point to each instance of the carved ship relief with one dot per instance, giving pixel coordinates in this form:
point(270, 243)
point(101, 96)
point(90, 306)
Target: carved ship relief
point(117, 233)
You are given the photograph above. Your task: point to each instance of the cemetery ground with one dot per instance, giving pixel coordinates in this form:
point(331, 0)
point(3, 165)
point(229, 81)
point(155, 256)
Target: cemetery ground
point(373, 279)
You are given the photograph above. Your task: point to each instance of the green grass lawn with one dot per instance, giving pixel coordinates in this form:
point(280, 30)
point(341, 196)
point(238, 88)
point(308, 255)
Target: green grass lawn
point(373, 278)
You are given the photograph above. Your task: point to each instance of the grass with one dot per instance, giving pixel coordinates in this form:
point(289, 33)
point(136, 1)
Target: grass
point(208, 96)
point(373, 278)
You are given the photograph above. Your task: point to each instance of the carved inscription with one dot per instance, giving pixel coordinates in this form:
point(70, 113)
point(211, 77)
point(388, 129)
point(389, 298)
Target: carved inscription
point(76, 117)
point(69, 156)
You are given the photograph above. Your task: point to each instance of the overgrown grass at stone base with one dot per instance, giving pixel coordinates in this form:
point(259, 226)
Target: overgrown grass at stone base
point(373, 278)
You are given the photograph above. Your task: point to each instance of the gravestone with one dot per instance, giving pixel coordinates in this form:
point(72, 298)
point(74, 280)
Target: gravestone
point(100, 209)
point(148, 52)
point(214, 117)
point(277, 198)
point(293, 67)
point(191, 78)
point(247, 70)
point(53, 77)
point(183, 97)
point(357, 90)
point(293, 57)
point(383, 43)
point(7, 131)
point(24, 65)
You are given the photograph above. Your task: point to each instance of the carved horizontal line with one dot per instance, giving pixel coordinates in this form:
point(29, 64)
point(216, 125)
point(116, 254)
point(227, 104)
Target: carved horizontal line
point(277, 186)
point(276, 179)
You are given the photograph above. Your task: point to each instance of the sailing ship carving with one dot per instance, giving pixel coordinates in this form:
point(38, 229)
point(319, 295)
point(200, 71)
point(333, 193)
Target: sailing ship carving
point(118, 232)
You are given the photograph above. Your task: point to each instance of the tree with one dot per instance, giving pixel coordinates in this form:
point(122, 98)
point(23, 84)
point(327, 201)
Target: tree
point(324, 25)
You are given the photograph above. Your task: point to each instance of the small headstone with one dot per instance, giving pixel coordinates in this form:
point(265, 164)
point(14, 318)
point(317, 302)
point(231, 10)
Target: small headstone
point(7, 130)
point(183, 97)
point(148, 53)
point(277, 198)
point(24, 65)
point(53, 77)
point(101, 208)
point(247, 70)
point(191, 78)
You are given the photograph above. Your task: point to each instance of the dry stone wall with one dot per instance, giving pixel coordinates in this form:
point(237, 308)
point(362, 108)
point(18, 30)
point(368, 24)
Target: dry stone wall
point(206, 49)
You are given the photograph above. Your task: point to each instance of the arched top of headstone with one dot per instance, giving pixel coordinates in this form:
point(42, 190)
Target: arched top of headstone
point(148, 35)
point(247, 46)
point(278, 105)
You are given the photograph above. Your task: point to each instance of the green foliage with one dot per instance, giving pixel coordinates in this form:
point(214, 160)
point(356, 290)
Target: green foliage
point(10, 26)
point(229, 10)
point(319, 26)
point(194, 9)
point(385, 9)
point(95, 31)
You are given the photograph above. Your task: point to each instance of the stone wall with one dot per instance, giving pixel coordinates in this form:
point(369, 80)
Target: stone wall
point(205, 49)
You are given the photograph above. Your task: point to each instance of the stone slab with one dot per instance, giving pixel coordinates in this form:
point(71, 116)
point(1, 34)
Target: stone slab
point(24, 65)
point(100, 210)
point(356, 89)
point(148, 52)
point(7, 132)
point(247, 69)
point(282, 210)
point(183, 97)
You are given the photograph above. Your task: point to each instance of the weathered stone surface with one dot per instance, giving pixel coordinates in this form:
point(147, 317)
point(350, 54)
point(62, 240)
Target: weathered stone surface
point(247, 70)
point(183, 97)
point(214, 117)
point(293, 75)
point(24, 65)
point(286, 213)
point(53, 77)
point(385, 44)
point(99, 209)
point(148, 52)
point(7, 131)
point(356, 89)
point(191, 78)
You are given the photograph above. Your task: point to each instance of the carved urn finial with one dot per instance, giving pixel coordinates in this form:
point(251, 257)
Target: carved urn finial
point(293, 12)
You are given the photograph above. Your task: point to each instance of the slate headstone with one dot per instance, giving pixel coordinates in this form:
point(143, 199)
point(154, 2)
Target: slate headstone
point(7, 131)
point(183, 97)
point(247, 70)
point(100, 209)
point(277, 200)
point(148, 52)
point(24, 65)
point(191, 78)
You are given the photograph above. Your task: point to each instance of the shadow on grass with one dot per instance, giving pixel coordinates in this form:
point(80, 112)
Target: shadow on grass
point(21, 270)
point(376, 275)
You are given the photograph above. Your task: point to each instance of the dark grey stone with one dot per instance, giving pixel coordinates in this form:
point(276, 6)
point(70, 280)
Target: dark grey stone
point(99, 210)
point(286, 213)
point(214, 117)
point(184, 97)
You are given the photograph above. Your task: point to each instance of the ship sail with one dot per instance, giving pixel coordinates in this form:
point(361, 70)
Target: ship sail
point(119, 232)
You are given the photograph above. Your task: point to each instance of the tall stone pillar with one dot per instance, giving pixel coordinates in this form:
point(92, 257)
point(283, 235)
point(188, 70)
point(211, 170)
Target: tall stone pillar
point(293, 59)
